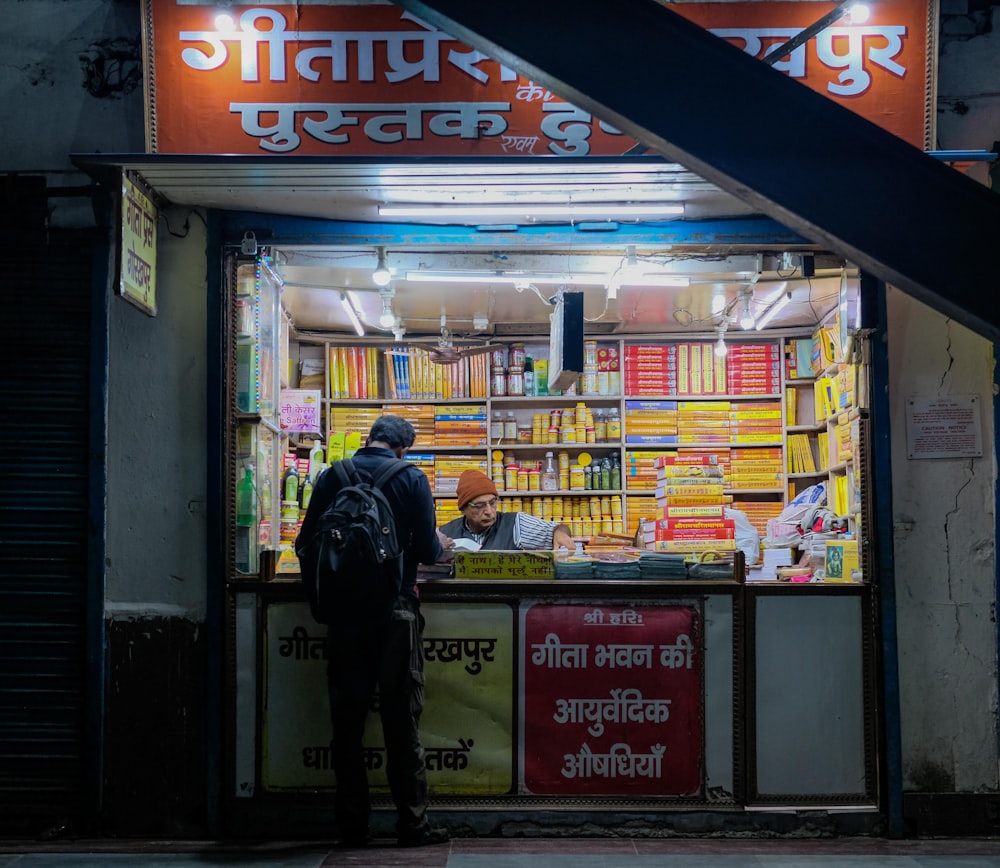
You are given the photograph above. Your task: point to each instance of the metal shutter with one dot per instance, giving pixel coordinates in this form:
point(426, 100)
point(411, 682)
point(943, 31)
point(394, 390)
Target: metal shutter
point(45, 293)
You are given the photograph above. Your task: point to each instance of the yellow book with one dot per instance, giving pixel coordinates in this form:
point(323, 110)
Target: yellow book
point(335, 447)
point(841, 561)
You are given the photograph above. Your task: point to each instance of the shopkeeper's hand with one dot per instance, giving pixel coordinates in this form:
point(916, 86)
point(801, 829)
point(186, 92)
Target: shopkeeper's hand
point(448, 544)
point(562, 539)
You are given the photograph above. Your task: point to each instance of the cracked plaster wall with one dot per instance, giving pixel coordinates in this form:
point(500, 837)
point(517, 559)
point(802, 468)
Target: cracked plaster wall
point(943, 515)
point(943, 509)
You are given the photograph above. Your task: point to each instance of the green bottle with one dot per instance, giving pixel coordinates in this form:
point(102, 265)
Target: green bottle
point(246, 502)
point(291, 483)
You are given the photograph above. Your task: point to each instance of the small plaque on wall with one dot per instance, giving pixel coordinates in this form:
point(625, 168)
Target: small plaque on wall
point(944, 427)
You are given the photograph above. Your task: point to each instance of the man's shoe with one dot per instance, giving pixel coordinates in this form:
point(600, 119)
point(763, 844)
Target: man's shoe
point(425, 837)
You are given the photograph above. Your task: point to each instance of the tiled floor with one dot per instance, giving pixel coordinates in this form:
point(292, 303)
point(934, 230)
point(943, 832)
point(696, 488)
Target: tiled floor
point(519, 853)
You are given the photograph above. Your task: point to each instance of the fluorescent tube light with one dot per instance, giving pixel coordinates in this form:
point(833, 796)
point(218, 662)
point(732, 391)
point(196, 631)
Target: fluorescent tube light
point(589, 278)
point(352, 314)
point(772, 311)
point(609, 211)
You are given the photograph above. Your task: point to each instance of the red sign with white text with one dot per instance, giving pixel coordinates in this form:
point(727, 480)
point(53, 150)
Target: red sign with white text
point(374, 80)
point(613, 700)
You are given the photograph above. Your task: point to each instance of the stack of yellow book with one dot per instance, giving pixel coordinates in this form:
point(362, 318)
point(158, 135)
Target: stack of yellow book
point(800, 454)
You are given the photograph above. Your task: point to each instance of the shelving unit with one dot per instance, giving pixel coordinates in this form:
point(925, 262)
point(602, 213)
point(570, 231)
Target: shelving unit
point(754, 432)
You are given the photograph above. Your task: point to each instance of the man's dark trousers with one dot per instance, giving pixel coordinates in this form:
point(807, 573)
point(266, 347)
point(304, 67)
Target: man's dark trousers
point(389, 656)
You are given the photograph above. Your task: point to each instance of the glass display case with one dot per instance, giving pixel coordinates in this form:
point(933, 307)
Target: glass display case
point(255, 505)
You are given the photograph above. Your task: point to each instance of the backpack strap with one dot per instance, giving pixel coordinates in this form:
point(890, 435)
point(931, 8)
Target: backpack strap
point(387, 470)
point(347, 474)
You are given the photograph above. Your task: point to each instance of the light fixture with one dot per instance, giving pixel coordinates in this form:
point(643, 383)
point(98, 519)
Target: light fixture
point(387, 319)
point(858, 13)
point(720, 345)
point(772, 310)
point(381, 275)
point(352, 314)
point(528, 210)
point(746, 315)
point(586, 278)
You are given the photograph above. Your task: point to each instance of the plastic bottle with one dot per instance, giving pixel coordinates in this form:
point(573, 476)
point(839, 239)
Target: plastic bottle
point(246, 502)
point(496, 428)
point(550, 474)
point(315, 460)
point(510, 428)
point(291, 483)
point(307, 492)
point(614, 427)
point(246, 376)
point(529, 377)
point(616, 474)
point(588, 478)
point(605, 474)
point(600, 427)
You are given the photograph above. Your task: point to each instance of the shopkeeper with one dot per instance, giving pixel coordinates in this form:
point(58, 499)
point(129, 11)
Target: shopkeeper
point(483, 524)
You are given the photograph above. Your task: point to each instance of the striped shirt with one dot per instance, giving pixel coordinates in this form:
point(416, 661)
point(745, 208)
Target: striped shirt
point(530, 532)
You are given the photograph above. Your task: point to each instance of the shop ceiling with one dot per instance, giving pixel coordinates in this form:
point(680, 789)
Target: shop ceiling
point(321, 221)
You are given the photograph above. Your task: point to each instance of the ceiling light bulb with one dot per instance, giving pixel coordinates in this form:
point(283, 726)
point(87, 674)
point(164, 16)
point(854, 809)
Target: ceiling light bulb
point(720, 344)
point(387, 319)
point(381, 275)
point(746, 317)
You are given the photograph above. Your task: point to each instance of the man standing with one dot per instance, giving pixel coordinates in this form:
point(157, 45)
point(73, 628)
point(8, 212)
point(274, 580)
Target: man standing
point(482, 523)
point(362, 655)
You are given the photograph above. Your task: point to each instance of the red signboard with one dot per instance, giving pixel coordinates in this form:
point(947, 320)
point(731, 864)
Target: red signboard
point(613, 700)
point(374, 80)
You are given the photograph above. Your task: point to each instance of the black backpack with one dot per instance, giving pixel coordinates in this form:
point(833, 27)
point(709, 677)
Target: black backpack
point(358, 561)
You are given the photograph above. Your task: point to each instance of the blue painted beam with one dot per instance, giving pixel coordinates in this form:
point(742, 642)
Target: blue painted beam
point(752, 232)
point(822, 170)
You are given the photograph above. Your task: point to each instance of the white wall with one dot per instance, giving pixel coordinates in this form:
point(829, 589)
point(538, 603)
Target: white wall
point(943, 510)
point(943, 515)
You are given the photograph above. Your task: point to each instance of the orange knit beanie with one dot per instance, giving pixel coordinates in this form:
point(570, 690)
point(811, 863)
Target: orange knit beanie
point(473, 484)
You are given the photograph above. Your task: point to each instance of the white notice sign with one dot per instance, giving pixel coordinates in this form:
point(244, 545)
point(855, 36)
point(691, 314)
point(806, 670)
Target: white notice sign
point(947, 427)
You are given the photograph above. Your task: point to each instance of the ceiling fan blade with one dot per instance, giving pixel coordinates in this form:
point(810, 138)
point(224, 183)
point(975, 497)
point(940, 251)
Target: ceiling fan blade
point(465, 352)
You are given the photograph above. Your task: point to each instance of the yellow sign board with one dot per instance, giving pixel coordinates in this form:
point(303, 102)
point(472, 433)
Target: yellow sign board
point(137, 248)
point(504, 565)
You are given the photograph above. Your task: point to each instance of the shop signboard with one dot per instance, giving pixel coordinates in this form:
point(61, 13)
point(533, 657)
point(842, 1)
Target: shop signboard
point(467, 726)
point(137, 246)
point(613, 700)
point(370, 79)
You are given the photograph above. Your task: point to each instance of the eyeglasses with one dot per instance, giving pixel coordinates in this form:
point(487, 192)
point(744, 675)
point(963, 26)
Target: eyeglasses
point(482, 504)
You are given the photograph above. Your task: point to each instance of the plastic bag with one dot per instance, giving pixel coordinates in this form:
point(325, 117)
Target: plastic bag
point(747, 537)
point(803, 503)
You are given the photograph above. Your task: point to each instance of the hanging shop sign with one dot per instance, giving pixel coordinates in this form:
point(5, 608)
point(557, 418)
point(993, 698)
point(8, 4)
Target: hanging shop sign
point(137, 247)
point(373, 80)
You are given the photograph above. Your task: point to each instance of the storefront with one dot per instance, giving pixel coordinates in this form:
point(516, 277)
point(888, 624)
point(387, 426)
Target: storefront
point(613, 695)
